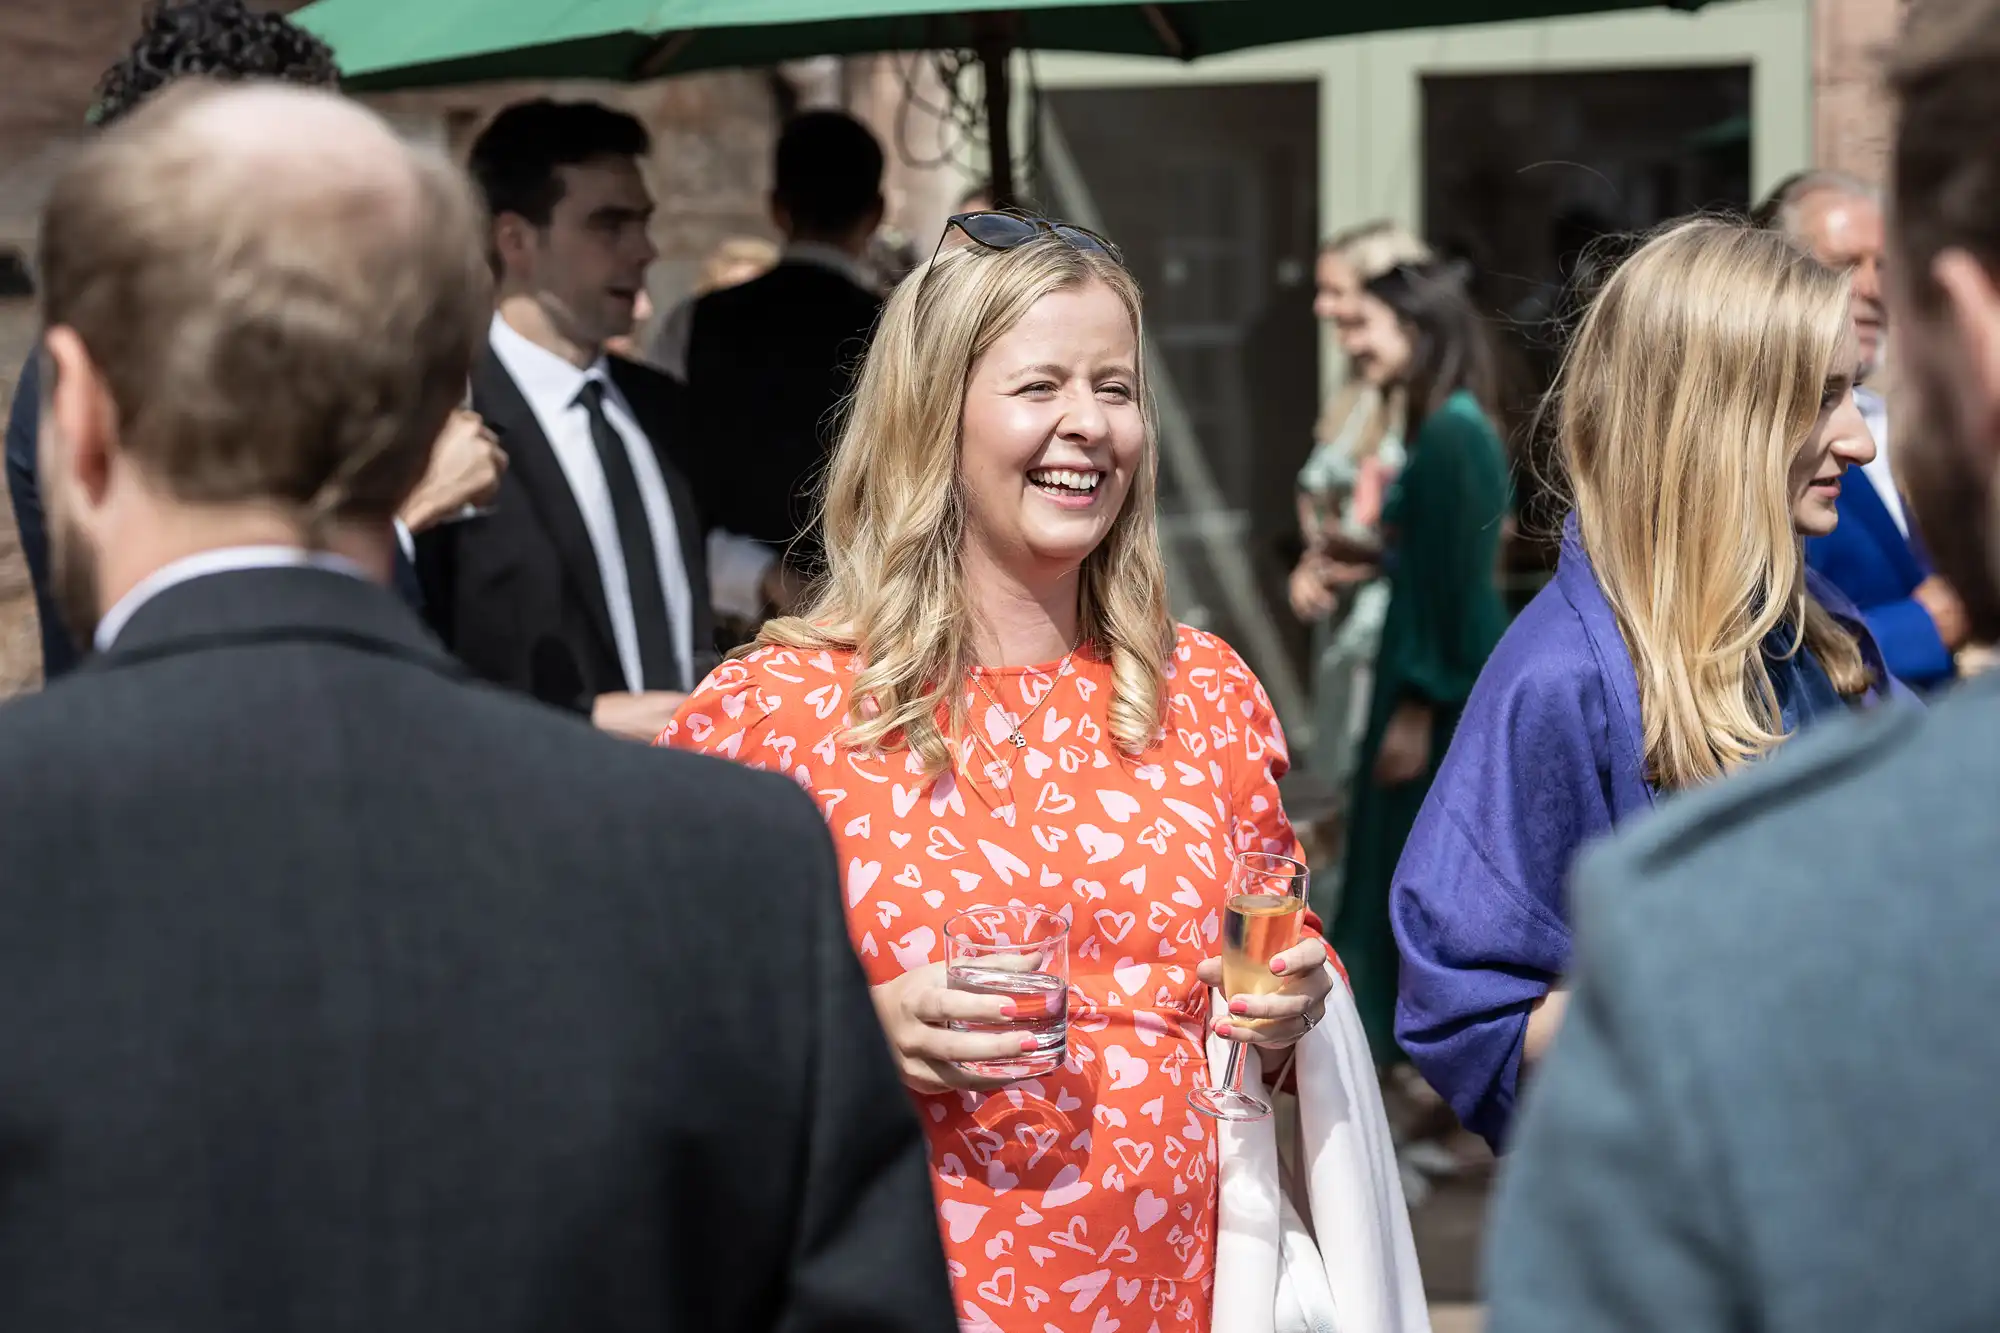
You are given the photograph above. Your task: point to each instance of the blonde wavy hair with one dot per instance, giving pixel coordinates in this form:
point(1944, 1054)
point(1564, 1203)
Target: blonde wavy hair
point(1370, 249)
point(1373, 248)
point(894, 515)
point(1692, 383)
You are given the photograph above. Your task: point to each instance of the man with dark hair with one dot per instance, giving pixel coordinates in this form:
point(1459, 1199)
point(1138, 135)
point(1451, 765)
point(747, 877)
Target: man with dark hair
point(337, 992)
point(227, 41)
point(1765, 1109)
point(586, 585)
point(217, 39)
point(1872, 556)
point(769, 362)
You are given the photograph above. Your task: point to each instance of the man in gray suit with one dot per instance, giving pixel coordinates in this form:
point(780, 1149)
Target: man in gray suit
point(1773, 1104)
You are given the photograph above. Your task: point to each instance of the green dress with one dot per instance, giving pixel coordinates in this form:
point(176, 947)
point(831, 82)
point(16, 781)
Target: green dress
point(1443, 518)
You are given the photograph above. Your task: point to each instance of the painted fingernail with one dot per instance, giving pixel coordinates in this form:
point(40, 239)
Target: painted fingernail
point(1008, 1009)
point(1028, 1044)
point(1222, 1030)
point(1277, 967)
point(1239, 1006)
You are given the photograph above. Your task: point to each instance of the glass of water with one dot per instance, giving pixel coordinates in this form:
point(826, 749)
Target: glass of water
point(1023, 954)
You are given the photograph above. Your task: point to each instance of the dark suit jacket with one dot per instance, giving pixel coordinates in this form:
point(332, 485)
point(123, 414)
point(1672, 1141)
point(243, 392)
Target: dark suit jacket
point(339, 995)
point(1868, 558)
point(517, 593)
point(1770, 1106)
point(769, 364)
point(24, 491)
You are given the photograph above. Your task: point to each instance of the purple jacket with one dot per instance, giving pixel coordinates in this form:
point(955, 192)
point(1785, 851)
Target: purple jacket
point(1548, 755)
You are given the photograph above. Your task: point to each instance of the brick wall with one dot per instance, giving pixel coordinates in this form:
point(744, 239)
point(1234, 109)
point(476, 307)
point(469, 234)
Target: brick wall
point(710, 169)
point(20, 650)
point(1850, 115)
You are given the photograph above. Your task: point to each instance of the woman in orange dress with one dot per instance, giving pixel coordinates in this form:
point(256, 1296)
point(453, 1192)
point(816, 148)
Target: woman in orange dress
point(993, 706)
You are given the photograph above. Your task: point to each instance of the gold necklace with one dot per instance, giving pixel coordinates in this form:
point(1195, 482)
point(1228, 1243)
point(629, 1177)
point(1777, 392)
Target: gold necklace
point(1014, 737)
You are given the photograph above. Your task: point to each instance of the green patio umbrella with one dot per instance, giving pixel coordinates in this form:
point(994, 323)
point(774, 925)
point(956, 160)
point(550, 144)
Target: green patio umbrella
point(391, 44)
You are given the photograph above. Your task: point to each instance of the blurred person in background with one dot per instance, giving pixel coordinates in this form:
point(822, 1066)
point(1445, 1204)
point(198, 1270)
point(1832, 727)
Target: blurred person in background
point(734, 261)
point(1414, 337)
point(1766, 1107)
point(993, 702)
point(223, 39)
point(339, 993)
point(770, 361)
point(586, 585)
point(1341, 488)
point(1873, 556)
point(1705, 424)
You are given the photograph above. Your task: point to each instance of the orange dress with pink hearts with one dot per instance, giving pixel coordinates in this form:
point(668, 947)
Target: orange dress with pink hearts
point(1084, 1201)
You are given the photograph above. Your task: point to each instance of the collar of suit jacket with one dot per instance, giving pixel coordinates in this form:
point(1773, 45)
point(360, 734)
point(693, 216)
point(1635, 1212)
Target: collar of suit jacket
point(272, 605)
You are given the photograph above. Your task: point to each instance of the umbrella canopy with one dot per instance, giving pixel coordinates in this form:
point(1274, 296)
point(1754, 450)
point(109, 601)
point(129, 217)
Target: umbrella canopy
point(384, 44)
point(390, 44)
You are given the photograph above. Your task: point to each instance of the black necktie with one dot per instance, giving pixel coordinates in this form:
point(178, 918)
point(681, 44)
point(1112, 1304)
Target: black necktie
point(658, 661)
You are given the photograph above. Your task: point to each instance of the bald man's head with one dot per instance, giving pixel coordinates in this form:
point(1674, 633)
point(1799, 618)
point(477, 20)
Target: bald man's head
point(280, 299)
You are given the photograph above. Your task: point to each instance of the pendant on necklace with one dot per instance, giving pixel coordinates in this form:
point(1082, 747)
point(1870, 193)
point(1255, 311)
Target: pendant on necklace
point(1018, 741)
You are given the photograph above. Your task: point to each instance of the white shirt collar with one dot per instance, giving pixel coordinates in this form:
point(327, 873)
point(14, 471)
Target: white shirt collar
point(545, 379)
point(221, 561)
point(1873, 406)
point(831, 257)
point(1880, 472)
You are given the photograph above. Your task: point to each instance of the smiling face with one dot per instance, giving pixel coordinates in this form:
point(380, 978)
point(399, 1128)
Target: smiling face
point(1337, 288)
point(1376, 342)
point(1839, 440)
point(1052, 434)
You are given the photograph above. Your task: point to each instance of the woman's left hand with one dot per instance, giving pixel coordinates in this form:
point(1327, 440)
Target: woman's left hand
point(1405, 750)
point(1291, 1011)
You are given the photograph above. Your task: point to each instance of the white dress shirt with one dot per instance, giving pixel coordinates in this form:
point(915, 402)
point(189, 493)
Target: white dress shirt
point(551, 386)
point(1876, 413)
point(223, 560)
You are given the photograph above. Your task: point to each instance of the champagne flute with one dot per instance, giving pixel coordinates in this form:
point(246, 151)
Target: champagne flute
point(1267, 900)
point(468, 510)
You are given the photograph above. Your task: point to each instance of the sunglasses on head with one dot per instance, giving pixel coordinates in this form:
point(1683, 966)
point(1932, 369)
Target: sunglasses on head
point(1011, 231)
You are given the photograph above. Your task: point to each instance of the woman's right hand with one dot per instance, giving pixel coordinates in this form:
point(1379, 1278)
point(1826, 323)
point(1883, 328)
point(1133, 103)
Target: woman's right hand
point(1312, 599)
point(916, 1009)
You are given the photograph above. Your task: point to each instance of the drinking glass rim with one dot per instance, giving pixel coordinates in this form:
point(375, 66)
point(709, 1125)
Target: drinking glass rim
point(1291, 865)
point(952, 932)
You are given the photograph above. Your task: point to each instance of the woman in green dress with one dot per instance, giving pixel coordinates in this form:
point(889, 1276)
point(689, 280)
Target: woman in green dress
point(1415, 332)
point(1341, 488)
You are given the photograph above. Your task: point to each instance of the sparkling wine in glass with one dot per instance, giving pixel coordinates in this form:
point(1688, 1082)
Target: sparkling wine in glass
point(1023, 954)
point(1267, 900)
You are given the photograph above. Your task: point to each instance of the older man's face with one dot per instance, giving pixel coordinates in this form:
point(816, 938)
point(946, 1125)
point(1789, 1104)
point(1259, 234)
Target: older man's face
point(1846, 232)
